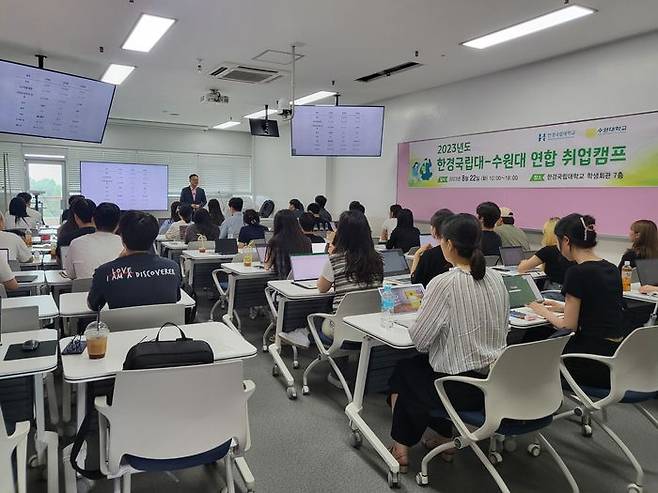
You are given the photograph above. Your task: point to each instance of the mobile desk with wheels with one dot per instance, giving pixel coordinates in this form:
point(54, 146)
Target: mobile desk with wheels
point(40, 262)
point(44, 302)
point(172, 249)
point(36, 368)
point(246, 289)
point(396, 337)
point(195, 258)
point(635, 295)
point(79, 370)
point(291, 305)
point(34, 287)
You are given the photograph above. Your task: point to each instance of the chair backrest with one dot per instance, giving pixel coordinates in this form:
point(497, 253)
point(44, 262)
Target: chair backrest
point(195, 245)
point(635, 364)
point(176, 419)
point(524, 383)
point(143, 317)
point(20, 318)
point(354, 303)
point(82, 285)
point(491, 260)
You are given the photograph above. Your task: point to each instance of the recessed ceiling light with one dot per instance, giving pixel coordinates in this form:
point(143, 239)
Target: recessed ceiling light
point(116, 74)
point(45, 156)
point(148, 30)
point(316, 96)
point(225, 125)
point(540, 23)
point(261, 114)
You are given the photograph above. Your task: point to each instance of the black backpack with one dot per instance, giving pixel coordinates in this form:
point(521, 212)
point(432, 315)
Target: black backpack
point(142, 356)
point(266, 209)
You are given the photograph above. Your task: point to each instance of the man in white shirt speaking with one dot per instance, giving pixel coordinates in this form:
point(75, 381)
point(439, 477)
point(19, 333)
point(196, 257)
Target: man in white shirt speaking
point(88, 252)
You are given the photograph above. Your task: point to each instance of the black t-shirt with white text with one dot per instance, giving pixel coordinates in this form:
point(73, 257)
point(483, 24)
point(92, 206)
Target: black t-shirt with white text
point(135, 280)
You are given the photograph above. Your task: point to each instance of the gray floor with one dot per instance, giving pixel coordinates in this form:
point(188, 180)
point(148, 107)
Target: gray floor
point(303, 446)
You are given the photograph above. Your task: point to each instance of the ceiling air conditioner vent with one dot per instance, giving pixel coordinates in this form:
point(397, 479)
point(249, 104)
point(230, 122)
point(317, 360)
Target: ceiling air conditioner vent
point(387, 72)
point(241, 73)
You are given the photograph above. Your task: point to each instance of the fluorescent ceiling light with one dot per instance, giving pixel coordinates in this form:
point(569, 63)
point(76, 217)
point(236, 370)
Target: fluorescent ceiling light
point(316, 96)
point(45, 156)
point(225, 125)
point(261, 114)
point(540, 23)
point(148, 30)
point(116, 74)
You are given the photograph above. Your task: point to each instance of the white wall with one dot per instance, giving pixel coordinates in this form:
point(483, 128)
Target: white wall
point(611, 79)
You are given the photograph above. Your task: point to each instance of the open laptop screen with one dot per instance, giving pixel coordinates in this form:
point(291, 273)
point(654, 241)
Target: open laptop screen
point(307, 267)
point(407, 298)
point(428, 239)
point(511, 256)
point(227, 246)
point(647, 271)
point(522, 290)
point(394, 263)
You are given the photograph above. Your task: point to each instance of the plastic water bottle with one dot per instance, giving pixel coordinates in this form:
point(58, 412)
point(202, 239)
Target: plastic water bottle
point(388, 306)
point(626, 275)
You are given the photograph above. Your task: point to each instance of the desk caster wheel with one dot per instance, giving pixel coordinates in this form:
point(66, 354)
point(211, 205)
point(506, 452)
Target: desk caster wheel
point(292, 393)
point(422, 479)
point(495, 458)
point(275, 371)
point(305, 390)
point(587, 431)
point(295, 364)
point(633, 488)
point(534, 449)
point(393, 480)
point(356, 440)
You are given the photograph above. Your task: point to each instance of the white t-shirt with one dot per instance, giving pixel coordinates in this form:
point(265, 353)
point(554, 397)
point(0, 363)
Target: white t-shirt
point(23, 223)
point(173, 233)
point(389, 225)
point(36, 216)
point(88, 252)
point(18, 250)
point(5, 272)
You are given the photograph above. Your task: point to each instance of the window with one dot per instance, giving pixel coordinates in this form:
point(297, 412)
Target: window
point(47, 178)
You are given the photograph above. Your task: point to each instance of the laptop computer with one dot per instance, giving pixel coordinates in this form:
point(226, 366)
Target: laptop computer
point(511, 256)
point(319, 247)
point(395, 265)
point(306, 269)
point(647, 271)
point(428, 239)
point(522, 290)
point(407, 302)
point(261, 251)
point(228, 246)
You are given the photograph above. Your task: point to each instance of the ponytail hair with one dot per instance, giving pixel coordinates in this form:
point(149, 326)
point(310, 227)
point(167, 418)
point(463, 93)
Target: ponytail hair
point(465, 233)
point(580, 229)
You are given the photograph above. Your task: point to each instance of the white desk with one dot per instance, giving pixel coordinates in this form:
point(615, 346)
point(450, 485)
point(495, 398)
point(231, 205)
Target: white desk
point(55, 279)
point(286, 293)
point(374, 334)
point(172, 246)
point(45, 302)
point(511, 271)
point(193, 257)
point(33, 286)
point(39, 261)
point(36, 368)
point(634, 294)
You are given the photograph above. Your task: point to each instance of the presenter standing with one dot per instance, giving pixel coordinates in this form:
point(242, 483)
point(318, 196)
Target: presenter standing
point(193, 195)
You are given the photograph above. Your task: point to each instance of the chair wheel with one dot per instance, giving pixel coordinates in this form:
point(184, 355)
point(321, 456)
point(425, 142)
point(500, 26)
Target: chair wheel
point(586, 431)
point(633, 488)
point(275, 371)
point(265, 348)
point(295, 364)
point(393, 480)
point(534, 449)
point(495, 458)
point(422, 479)
point(305, 390)
point(356, 440)
point(33, 462)
point(292, 393)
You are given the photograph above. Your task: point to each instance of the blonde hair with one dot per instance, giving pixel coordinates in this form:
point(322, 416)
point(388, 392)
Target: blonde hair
point(549, 238)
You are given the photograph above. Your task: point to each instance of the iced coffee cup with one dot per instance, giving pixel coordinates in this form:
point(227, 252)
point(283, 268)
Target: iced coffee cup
point(96, 335)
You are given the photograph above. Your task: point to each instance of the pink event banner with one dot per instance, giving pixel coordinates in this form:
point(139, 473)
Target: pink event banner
point(614, 208)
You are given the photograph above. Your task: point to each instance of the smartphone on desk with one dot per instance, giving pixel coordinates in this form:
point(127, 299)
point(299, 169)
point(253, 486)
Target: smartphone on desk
point(76, 346)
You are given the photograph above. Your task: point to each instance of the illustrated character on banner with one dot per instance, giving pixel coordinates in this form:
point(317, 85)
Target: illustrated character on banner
point(426, 170)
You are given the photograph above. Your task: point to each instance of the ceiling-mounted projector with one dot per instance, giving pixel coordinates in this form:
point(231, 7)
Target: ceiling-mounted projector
point(214, 96)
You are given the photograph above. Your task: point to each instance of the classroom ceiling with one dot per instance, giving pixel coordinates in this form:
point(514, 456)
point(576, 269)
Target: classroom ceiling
point(342, 40)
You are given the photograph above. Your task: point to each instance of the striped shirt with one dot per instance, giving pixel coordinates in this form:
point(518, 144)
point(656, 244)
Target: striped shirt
point(462, 323)
point(334, 271)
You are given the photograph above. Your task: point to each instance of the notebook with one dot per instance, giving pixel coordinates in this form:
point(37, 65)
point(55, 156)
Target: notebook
point(395, 264)
point(227, 246)
point(306, 269)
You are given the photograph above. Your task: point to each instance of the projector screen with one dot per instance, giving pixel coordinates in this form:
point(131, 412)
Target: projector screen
point(45, 103)
point(140, 187)
point(337, 131)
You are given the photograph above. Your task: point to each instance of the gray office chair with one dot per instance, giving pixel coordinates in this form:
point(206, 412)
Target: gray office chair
point(143, 317)
point(82, 285)
point(491, 260)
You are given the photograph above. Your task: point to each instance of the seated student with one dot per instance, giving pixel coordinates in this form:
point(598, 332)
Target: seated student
point(429, 262)
point(173, 217)
point(68, 224)
point(233, 223)
point(202, 225)
point(644, 239)
point(353, 264)
point(593, 301)
point(320, 224)
point(405, 236)
point(216, 214)
point(321, 200)
point(296, 207)
point(18, 250)
point(82, 213)
point(555, 265)
point(489, 214)
point(137, 277)
point(7, 276)
point(253, 229)
point(510, 235)
point(288, 240)
point(307, 222)
point(34, 214)
point(185, 213)
point(88, 252)
point(355, 205)
point(17, 217)
point(390, 223)
point(462, 324)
